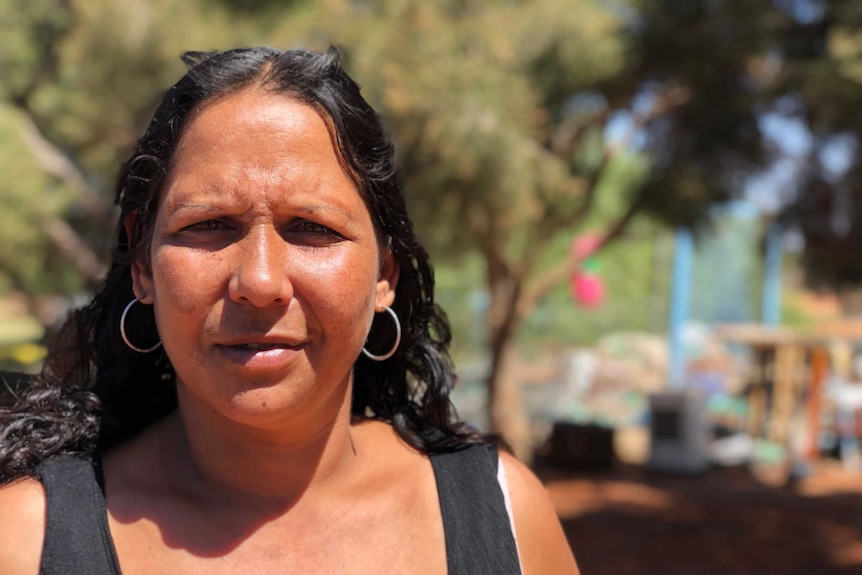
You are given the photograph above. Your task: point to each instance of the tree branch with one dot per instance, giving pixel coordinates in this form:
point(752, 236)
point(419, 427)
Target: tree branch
point(59, 165)
point(663, 103)
point(568, 135)
point(667, 100)
point(75, 250)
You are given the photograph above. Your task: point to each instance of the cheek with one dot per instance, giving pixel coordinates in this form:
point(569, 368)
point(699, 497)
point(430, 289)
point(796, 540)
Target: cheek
point(185, 282)
point(340, 292)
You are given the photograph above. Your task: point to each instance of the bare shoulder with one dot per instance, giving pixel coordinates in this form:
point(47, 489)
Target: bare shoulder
point(21, 539)
point(541, 542)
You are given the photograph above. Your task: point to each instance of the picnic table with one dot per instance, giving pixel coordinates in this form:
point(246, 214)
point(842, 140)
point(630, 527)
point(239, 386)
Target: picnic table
point(790, 369)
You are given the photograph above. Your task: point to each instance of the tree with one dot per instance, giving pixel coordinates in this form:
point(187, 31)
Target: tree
point(803, 73)
point(819, 85)
point(802, 63)
point(505, 138)
point(80, 79)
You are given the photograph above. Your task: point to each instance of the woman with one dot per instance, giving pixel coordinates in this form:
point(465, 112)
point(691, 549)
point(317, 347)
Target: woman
point(262, 384)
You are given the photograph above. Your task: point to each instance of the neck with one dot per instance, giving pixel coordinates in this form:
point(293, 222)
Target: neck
point(281, 462)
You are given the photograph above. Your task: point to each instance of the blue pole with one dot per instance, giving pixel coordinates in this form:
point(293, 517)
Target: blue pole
point(679, 304)
point(771, 312)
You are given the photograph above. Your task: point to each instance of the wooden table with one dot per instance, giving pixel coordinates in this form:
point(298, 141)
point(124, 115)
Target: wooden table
point(795, 364)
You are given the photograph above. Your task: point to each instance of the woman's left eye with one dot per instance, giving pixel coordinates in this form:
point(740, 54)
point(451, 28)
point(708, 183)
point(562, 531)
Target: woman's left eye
point(312, 231)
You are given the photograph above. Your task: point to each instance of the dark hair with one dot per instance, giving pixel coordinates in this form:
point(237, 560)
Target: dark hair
point(95, 392)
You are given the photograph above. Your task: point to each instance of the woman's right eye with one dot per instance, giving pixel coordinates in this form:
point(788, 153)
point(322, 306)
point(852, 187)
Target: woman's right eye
point(206, 226)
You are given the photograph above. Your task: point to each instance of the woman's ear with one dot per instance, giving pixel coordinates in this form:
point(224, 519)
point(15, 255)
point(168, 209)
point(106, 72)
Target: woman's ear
point(142, 277)
point(387, 281)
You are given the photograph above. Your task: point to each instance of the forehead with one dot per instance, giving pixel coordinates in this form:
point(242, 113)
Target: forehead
point(281, 123)
point(253, 138)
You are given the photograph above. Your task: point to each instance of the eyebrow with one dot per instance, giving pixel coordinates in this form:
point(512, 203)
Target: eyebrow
point(207, 209)
point(309, 209)
point(314, 208)
point(195, 206)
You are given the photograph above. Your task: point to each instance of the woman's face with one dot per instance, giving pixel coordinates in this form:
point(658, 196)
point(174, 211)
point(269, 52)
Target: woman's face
point(264, 270)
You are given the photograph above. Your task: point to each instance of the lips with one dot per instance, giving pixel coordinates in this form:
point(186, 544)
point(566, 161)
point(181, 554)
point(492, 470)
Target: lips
point(261, 341)
point(261, 355)
point(261, 346)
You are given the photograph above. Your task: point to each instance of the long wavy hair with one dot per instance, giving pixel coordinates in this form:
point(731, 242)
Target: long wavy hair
point(95, 391)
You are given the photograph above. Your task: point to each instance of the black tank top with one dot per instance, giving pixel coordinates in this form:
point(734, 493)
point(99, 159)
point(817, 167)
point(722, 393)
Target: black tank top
point(479, 539)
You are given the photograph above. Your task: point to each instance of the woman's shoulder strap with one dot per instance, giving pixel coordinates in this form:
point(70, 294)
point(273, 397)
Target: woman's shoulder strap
point(479, 538)
point(77, 539)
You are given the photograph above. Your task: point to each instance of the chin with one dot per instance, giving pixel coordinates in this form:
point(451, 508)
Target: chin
point(264, 403)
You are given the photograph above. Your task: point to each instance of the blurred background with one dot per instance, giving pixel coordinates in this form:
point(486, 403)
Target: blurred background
point(645, 218)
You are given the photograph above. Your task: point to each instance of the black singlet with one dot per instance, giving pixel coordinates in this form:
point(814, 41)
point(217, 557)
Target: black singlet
point(479, 539)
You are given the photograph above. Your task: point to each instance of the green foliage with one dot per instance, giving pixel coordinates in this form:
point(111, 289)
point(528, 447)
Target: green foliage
point(473, 108)
point(739, 60)
point(26, 259)
point(819, 83)
point(460, 292)
point(26, 27)
point(699, 58)
point(83, 78)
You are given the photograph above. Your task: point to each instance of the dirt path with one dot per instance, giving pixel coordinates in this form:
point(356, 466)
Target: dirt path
point(630, 521)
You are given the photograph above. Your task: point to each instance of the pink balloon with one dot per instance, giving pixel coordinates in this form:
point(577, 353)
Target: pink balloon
point(584, 245)
point(588, 290)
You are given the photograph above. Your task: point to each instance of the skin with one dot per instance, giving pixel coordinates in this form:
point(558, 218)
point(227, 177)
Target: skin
point(265, 274)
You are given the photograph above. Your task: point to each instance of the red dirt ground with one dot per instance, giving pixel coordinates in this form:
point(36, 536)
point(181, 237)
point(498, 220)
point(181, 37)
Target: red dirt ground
point(630, 521)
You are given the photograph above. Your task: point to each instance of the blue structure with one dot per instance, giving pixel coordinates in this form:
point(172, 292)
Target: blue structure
point(723, 287)
point(771, 311)
point(679, 304)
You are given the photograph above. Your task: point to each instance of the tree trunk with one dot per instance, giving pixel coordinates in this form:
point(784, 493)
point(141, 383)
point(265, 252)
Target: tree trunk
point(505, 404)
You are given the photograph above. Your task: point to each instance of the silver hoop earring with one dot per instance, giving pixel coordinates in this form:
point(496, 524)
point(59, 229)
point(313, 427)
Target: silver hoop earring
point(392, 351)
point(126, 337)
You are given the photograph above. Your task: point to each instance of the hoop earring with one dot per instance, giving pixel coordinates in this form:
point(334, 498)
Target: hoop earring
point(126, 337)
point(392, 351)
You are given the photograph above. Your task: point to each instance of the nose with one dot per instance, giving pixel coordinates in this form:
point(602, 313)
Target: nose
point(261, 278)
